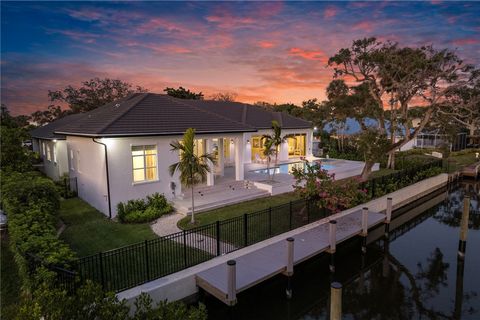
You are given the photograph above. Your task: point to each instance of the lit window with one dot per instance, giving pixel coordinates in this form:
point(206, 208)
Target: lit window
point(55, 153)
point(43, 148)
point(49, 153)
point(144, 163)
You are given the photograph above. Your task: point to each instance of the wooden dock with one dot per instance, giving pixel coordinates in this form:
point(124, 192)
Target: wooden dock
point(471, 171)
point(262, 264)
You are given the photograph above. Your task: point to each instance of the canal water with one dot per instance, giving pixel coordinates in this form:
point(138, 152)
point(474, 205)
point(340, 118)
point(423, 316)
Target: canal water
point(414, 275)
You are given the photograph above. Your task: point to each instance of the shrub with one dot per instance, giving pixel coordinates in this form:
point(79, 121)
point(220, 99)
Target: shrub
point(141, 210)
point(31, 203)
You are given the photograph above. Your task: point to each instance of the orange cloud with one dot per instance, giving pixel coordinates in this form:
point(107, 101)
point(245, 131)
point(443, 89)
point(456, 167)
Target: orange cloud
point(308, 54)
point(266, 44)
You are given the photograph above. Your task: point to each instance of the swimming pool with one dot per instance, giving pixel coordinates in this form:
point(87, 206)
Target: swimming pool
point(288, 167)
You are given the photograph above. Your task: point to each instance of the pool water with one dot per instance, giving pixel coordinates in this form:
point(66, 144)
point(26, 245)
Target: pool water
point(414, 275)
point(287, 168)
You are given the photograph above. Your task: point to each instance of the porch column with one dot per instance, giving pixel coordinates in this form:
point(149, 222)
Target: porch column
point(283, 154)
point(309, 143)
point(211, 174)
point(221, 157)
point(239, 158)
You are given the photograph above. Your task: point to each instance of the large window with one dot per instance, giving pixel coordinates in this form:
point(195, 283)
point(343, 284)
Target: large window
point(144, 160)
point(296, 145)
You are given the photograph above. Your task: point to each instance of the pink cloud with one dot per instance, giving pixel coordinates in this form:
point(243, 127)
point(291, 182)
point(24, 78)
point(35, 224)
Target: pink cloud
point(330, 12)
point(465, 41)
point(366, 26)
point(85, 37)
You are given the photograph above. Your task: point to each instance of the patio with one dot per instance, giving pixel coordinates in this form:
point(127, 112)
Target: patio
point(256, 184)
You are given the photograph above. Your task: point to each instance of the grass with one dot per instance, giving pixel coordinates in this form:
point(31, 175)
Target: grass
point(456, 162)
point(10, 287)
point(88, 231)
point(237, 210)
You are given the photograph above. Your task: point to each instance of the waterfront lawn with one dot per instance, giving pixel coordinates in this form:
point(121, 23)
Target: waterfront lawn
point(10, 288)
point(88, 231)
point(456, 162)
point(236, 210)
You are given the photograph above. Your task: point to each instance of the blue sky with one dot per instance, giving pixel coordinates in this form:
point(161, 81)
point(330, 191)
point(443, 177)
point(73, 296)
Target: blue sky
point(269, 51)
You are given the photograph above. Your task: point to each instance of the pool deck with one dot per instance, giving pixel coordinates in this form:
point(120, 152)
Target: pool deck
point(257, 266)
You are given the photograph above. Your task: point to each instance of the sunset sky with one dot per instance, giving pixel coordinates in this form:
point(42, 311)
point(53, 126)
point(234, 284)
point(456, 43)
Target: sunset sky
point(263, 51)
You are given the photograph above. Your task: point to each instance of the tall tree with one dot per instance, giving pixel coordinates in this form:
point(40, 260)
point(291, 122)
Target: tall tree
point(193, 168)
point(93, 93)
point(224, 96)
point(14, 157)
point(52, 113)
point(402, 77)
point(462, 106)
point(183, 93)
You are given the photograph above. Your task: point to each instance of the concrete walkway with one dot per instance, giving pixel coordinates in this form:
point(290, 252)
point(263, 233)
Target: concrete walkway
point(167, 225)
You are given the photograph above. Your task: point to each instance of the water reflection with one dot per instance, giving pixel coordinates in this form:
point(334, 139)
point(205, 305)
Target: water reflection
point(413, 275)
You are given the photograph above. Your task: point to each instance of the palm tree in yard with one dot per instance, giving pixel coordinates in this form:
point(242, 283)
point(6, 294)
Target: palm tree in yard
point(272, 143)
point(193, 168)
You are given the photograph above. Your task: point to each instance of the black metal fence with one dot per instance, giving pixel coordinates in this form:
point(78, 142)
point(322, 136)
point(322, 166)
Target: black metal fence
point(132, 265)
point(126, 267)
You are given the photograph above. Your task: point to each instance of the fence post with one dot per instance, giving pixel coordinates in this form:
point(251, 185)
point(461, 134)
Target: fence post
point(147, 267)
point(101, 270)
point(245, 229)
point(290, 217)
point(270, 221)
point(217, 225)
point(185, 248)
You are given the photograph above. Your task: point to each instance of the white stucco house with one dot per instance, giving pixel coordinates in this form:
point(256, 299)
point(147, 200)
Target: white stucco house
point(121, 151)
point(52, 147)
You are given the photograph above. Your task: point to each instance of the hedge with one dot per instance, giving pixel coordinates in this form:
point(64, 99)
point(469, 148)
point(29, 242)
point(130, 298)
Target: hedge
point(31, 203)
point(143, 210)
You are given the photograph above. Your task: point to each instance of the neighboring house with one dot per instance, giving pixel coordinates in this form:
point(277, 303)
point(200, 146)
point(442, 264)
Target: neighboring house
point(122, 151)
point(52, 147)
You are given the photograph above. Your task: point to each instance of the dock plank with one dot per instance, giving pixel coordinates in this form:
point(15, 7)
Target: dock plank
point(259, 265)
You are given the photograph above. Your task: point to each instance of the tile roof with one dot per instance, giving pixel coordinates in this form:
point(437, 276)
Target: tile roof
point(157, 114)
point(47, 131)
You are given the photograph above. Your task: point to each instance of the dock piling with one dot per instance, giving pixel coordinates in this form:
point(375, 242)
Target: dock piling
point(232, 283)
point(333, 243)
point(364, 229)
point(388, 217)
point(335, 301)
point(462, 243)
point(289, 269)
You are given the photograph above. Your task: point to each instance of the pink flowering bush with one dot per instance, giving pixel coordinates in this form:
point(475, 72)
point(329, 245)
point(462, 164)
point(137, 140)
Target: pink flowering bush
point(315, 183)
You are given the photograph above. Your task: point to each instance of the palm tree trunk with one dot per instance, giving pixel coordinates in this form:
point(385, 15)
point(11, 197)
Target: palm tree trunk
point(275, 167)
point(192, 221)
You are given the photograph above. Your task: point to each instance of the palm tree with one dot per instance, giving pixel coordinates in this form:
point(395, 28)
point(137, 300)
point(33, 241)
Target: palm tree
point(193, 168)
point(273, 142)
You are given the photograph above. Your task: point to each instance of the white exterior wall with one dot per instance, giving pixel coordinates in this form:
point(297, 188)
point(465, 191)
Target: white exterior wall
point(58, 163)
point(88, 166)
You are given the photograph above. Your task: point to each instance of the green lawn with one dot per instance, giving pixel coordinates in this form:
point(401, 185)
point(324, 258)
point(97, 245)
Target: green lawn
point(236, 210)
point(88, 231)
point(10, 283)
point(456, 162)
